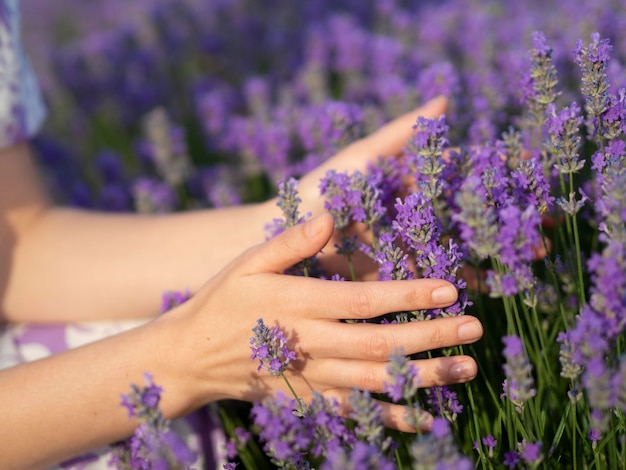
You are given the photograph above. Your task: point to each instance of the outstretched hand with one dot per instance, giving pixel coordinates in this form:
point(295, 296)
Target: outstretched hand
point(387, 142)
point(333, 357)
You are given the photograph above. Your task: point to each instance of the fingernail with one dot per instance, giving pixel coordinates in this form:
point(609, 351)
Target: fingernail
point(314, 226)
point(426, 422)
point(444, 295)
point(461, 371)
point(470, 331)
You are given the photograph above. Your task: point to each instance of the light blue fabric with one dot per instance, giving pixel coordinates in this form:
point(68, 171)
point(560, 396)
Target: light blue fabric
point(22, 111)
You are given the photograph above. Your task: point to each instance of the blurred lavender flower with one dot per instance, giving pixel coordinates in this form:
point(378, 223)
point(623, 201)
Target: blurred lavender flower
point(270, 347)
point(153, 444)
point(425, 152)
point(530, 452)
point(171, 299)
point(288, 201)
point(369, 426)
point(563, 128)
point(152, 196)
point(543, 77)
point(285, 439)
point(437, 450)
point(518, 386)
point(444, 402)
point(403, 381)
point(592, 61)
point(165, 143)
point(477, 219)
point(393, 262)
point(416, 223)
point(329, 430)
point(360, 456)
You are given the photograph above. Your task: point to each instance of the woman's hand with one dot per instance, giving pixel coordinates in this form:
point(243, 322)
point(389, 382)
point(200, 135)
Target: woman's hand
point(388, 142)
point(209, 335)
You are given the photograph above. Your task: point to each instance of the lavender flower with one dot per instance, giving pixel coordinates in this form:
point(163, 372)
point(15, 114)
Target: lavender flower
point(476, 218)
point(288, 201)
point(519, 383)
point(392, 260)
point(403, 380)
point(592, 61)
point(167, 148)
point(490, 442)
point(360, 456)
point(416, 223)
point(285, 438)
point(154, 445)
point(152, 196)
point(425, 153)
point(530, 452)
point(328, 428)
point(171, 299)
point(444, 402)
point(369, 426)
point(543, 77)
point(437, 450)
point(564, 137)
point(270, 347)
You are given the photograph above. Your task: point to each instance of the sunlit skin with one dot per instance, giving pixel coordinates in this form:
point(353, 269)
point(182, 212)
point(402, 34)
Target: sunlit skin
point(96, 266)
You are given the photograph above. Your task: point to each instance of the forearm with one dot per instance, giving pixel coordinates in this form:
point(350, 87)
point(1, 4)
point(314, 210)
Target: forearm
point(69, 403)
point(77, 265)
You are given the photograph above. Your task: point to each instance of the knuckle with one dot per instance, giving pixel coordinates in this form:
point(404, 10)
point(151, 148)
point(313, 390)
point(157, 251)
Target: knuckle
point(370, 380)
point(437, 337)
point(361, 303)
point(377, 346)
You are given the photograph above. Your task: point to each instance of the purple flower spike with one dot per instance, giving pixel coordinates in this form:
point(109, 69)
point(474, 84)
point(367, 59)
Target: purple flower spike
point(269, 346)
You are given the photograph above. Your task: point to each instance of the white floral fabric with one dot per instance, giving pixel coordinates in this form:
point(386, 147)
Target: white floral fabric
point(22, 111)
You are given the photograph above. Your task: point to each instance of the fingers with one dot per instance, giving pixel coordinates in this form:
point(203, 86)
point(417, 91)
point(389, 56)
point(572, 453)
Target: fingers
point(391, 138)
point(290, 247)
point(367, 299)
point(394, 416)
point(372, 375)
point(373, 342)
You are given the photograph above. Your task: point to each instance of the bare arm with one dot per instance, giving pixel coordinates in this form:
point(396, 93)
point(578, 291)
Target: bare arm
point(63, 405)
point(65, 265)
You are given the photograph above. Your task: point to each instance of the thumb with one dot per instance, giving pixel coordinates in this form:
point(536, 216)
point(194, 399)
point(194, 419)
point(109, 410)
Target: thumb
point(290, 247)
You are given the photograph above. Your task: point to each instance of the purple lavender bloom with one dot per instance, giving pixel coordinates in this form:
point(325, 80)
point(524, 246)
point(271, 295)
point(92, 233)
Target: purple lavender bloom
point(416, 222)
point(519, 383)
point(564, 137)
point(335, 186)
point(270, 347)
point(152, 196)
point(360, 456)
point(444, 402)
point(153, 445)
point(366, 413)
point(592, 61)
point(530, 187)
point(281, 430)
point(490, 442)
point(171, 299)
point(437, 449)
point(393, 262)
point(476, 219)
point(403, 381)
point(425, 152)
point(511, 458)
point(328, 428)
point(531, 453)
point(543, 79)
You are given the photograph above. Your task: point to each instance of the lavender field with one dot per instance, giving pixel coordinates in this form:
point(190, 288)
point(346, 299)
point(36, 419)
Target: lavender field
point(518, 192)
